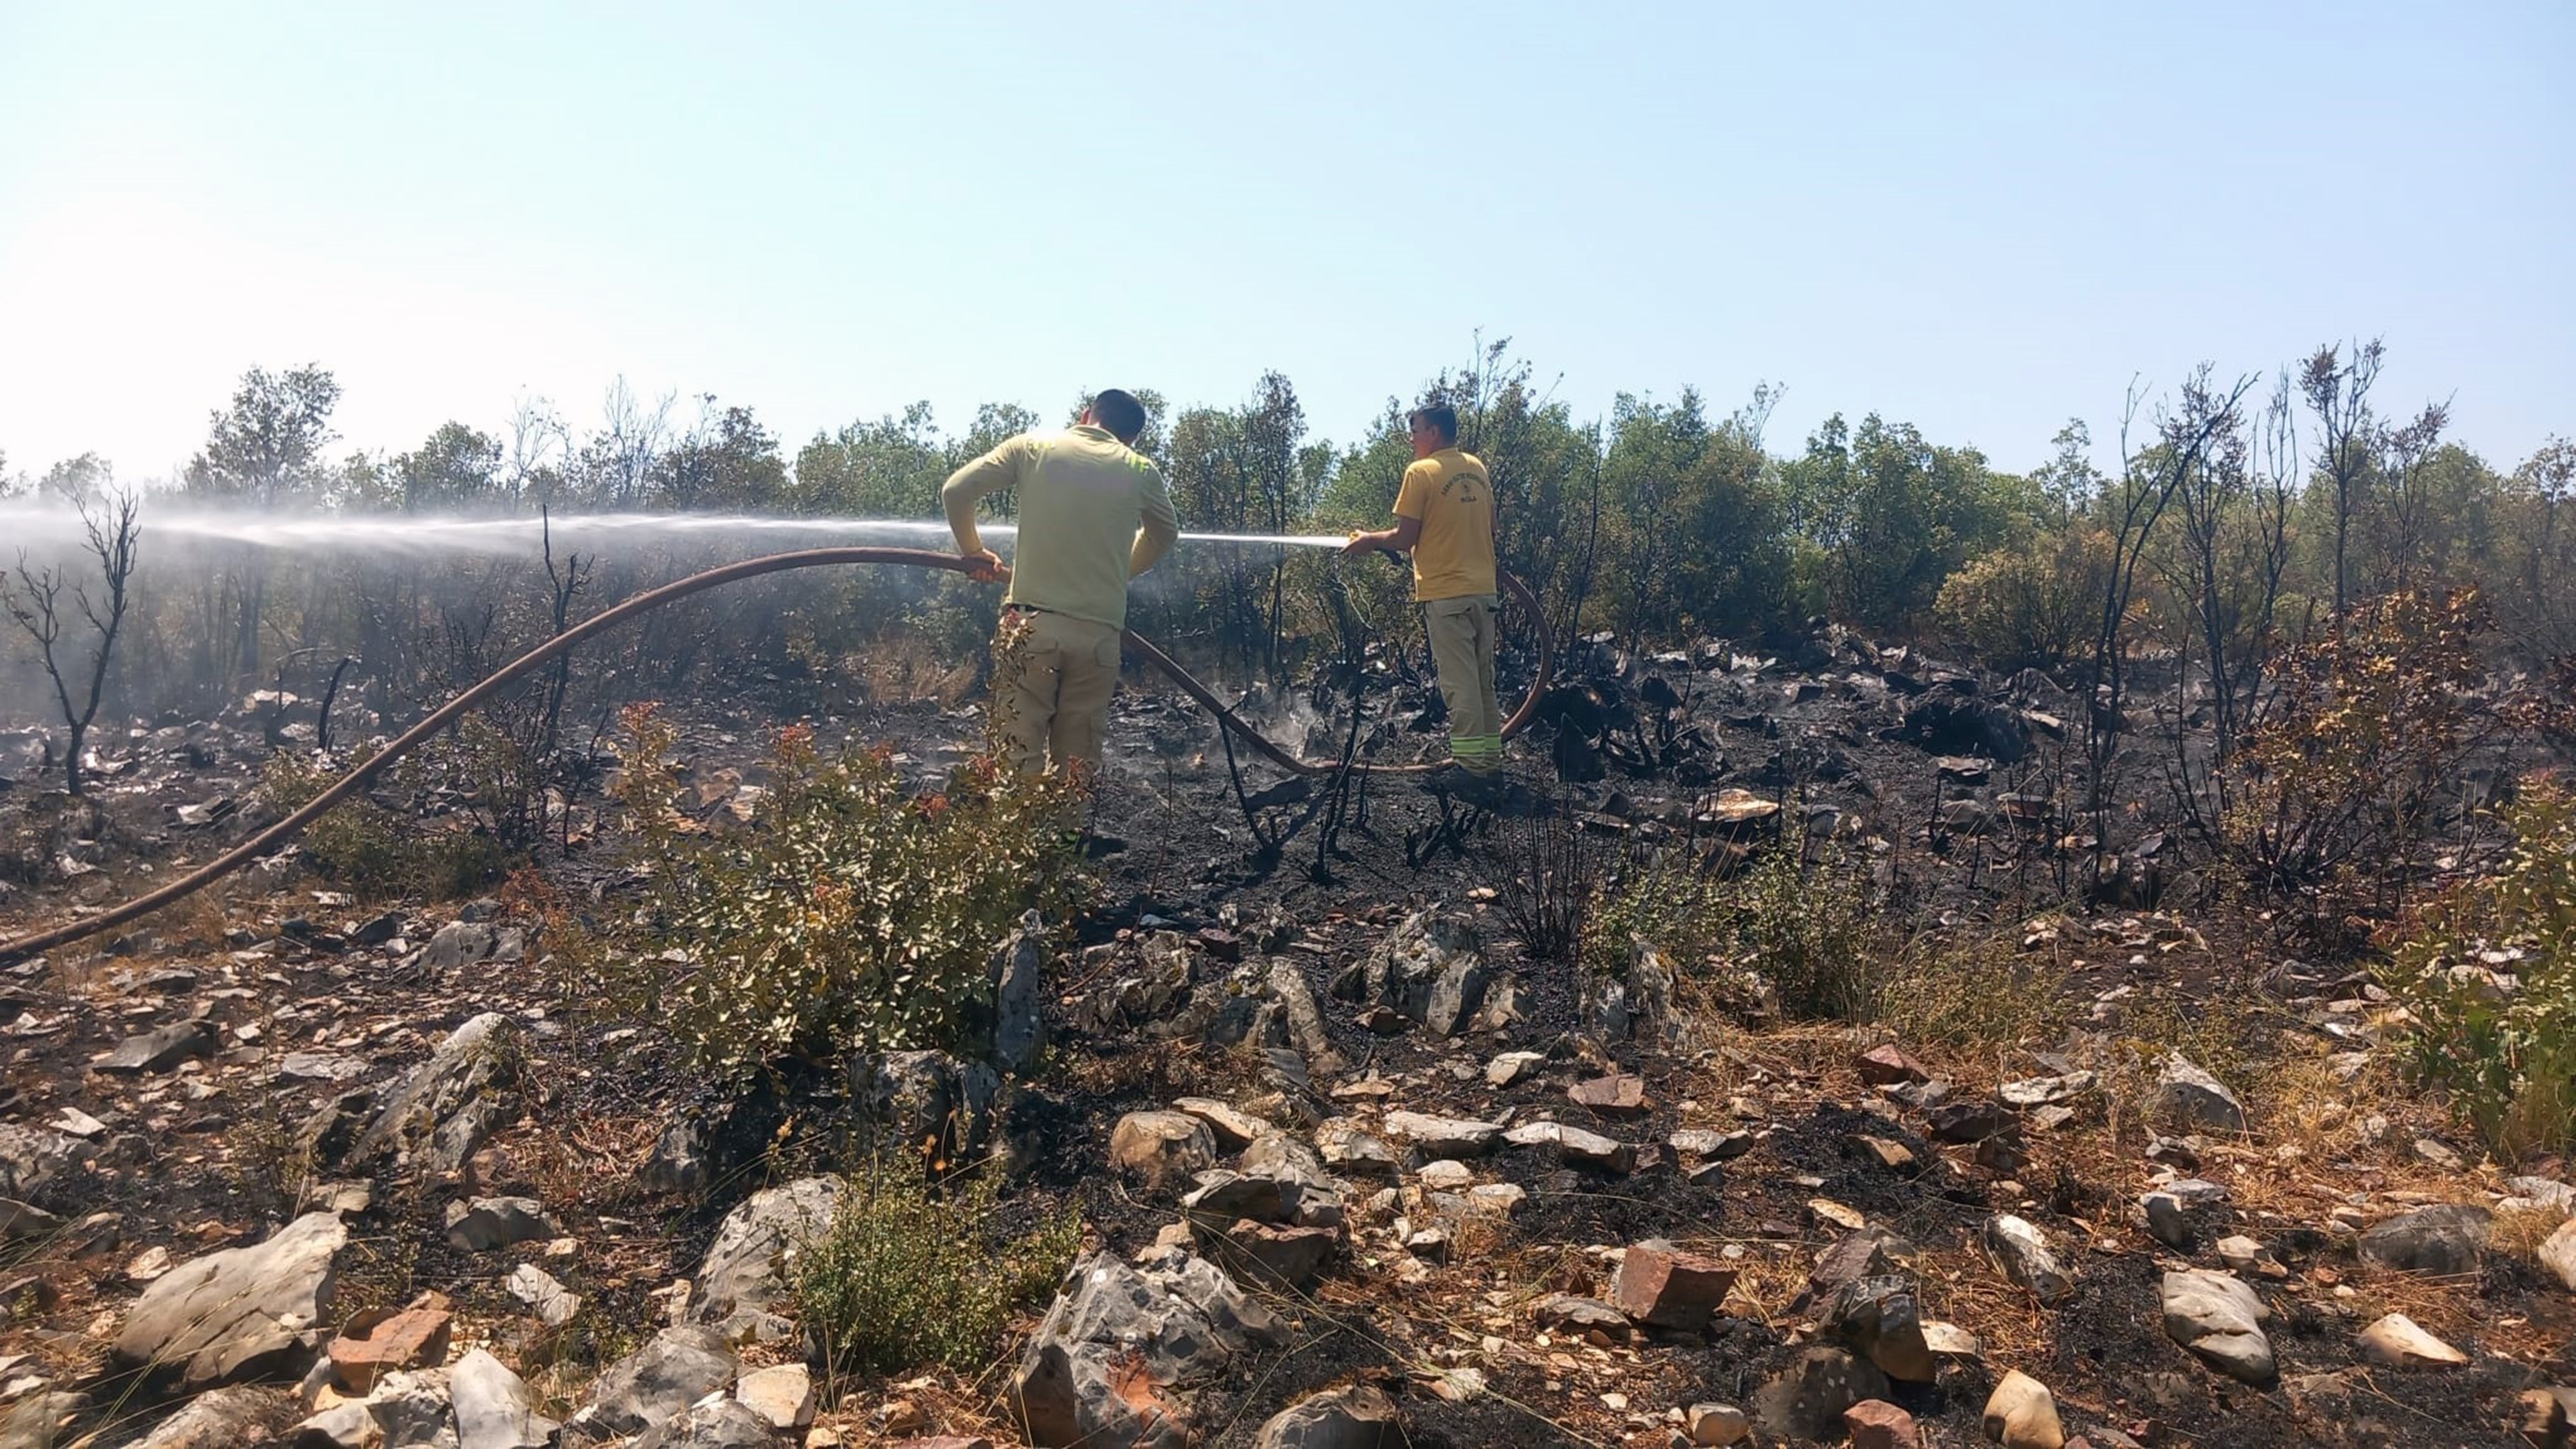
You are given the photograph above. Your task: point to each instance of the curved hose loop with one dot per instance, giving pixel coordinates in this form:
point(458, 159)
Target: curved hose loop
point(286, 829)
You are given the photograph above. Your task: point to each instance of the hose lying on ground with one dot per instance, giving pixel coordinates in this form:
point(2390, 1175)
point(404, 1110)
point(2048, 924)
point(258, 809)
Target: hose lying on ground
point(286, 829)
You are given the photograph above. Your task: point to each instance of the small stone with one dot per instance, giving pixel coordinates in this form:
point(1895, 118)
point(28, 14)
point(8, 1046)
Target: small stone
point(2026, 1259)
point(1512, 1067)
point(1619, 1095)
point(1447, 1176)
point(1836, 1215)
point(379, 1343)
point(1234, 1130)
point(488, 1224)
point(783, 1394)
point(2219, 1318)
point(159, 1051)
point(2044, 1091)
point(2558, 1254)
point(2187, 1096)
point(2545, 1418)
point(553, 1303)
point(1718, 1424)
point(1661, 1285)
point(1293, 1256)
point(2444, 1241)
point(1713, 1146)
point(345, 1425)
point(2166, 1221)
point(1968, 1122)
point(1353, 1417)
point(2242, 1254)
point(1583, 1316)
point(1436, 1137)
point(1949, 1340)
point(1889, 1152)
point(1886, 1066)
point(1878, 1424)
point(2397, 1342)
point(2438, 1155)
point(2022, 1414)
point(1880, 1318)
point(1160, 1149)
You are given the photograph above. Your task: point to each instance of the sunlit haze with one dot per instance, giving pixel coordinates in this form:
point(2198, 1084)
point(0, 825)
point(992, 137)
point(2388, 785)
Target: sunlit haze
point(1982, 224)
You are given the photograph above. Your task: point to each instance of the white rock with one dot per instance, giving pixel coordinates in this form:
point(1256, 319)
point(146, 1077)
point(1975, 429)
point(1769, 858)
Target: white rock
point(2397, 1342)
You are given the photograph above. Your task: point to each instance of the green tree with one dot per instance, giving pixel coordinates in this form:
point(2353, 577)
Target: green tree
point(728, 461)
point(455, 468)
point(75, 480)
point(266, 448)
point(1884, 517)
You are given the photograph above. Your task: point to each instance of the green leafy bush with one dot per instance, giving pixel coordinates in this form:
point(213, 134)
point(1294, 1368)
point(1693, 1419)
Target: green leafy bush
point(2030, 602)
point(2489, 977)
point(1811, 929)
point(905, 1276)
point(373, 850)
point(851, 914)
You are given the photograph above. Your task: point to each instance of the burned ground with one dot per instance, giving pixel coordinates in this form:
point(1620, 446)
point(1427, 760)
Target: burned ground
point(1945, 784)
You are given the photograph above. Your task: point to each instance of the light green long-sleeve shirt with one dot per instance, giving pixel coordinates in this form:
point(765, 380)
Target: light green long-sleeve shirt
point(1093, 513)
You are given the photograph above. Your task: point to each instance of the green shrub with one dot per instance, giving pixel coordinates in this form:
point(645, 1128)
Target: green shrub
point(849, 915)
point(2028, 603)
point(2489, 977)
point(375, 851)
point(905, 1277)
point(1811, 930)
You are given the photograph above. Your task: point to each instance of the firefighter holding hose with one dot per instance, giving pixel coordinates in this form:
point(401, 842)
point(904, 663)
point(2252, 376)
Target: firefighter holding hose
point(1444, 513)
point(1093, 514)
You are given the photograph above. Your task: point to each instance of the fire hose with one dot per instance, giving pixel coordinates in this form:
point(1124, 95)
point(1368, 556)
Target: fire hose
point(287, 828)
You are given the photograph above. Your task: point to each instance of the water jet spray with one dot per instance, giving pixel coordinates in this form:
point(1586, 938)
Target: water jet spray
point(286, 829)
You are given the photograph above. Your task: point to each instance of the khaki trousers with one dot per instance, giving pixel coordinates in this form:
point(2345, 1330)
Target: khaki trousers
point(1462, 648)
point(1052, 678)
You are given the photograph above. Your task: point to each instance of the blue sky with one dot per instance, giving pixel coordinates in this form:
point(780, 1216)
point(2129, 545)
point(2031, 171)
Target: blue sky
point(1983, 222)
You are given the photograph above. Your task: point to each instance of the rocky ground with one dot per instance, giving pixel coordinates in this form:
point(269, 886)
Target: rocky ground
point(285, 1167)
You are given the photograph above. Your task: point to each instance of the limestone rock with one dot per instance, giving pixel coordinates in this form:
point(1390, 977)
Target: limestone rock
point(2022, 1414)
point(223, 1419)
point(2189, 1097)
point(1807, 1399)
point(1160, 1149)
point(235, 1313)
point(1103, 1365)
point(159, 1051)
point(1718, 1424)
point(2026, 1259)
point(2558, 1254)
point(1234, 1130)
point(1437, 1137)
point(553, 1303)
point(783, 1394)
point(1018, 980)
point(2397, 1342)
point(2218, 1317)
point(656, 1383)
point(1880, 1318)
point(442, 1113)
point(2444, 1241)
point(1355, 1417)
point(715, 1424)
point(488, 1224)
point(742, 1283)
point(493, 1407)
point(926, 1097)
point(1429, 969)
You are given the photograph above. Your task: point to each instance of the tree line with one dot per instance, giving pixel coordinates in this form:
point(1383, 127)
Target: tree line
point(2232, 514)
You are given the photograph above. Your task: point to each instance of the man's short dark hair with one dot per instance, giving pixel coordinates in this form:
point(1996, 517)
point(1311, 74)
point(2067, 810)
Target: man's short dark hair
point(1120, 413)
point(1442, 418)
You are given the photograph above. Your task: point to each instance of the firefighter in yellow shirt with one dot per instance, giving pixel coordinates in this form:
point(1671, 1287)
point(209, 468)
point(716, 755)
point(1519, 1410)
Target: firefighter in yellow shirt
point(1445, 514)
point(1093, 513)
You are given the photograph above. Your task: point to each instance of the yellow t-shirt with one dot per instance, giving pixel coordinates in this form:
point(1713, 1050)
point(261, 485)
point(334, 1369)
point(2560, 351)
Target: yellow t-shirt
point(1093, 514)
point(1453, 497)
